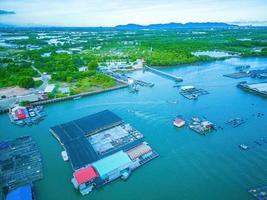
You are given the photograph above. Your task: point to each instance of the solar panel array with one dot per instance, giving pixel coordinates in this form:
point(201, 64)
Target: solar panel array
point(73, 136)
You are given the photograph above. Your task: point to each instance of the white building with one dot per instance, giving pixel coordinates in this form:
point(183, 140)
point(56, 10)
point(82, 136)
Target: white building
point(49, 88)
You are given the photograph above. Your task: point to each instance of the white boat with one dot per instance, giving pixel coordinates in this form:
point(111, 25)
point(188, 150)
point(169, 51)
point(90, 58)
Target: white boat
point(78, 97)
point(178, 122)
point(64, 155)
point(243, 146)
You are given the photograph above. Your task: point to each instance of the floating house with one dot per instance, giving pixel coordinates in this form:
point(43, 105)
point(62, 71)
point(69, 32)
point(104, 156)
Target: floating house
point(83, 179)
point(101, 148)
point(178, 122)
point(187, 88)
point(111, 167)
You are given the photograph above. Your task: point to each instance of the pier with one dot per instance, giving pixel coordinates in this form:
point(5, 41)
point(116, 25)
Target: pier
point(156, 71)
point(258, 88)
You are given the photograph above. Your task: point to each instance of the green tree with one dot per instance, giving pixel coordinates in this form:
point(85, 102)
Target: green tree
point(92, 65)
point(26, 82)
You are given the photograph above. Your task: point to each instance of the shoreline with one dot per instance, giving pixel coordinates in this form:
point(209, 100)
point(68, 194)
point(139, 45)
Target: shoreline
point(203, 62)
point(71, 97)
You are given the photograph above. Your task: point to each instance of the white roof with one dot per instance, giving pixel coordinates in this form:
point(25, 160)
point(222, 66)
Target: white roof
point(49, 88)
point(259, 86)
point(188, 87)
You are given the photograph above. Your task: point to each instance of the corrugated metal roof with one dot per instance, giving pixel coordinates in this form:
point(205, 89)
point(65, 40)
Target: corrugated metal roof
point(138, 151)
point(111, 163)
point(86, 125)
point(22, 193)
point(84, 175)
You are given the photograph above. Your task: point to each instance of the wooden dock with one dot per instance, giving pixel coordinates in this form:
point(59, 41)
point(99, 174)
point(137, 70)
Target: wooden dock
point(156, 71)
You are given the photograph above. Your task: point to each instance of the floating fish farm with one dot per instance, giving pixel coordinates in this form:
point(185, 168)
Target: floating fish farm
point(192, 93)
point(201, 126)
point(20, 163)
point(101, 148)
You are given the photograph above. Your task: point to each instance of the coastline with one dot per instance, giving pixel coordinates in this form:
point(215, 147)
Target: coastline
point(203, 62)
point(43, 102)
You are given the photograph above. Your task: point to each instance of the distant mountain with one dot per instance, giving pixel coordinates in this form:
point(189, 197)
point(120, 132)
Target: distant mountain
point(5, 12)
point(196, 25)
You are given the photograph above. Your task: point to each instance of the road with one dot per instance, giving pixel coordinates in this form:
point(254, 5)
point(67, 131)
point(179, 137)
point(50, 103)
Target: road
point(45, 80)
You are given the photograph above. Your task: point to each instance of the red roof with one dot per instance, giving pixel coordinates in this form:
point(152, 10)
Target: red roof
point(84, 175)
point(178, 120)
point(20, 113)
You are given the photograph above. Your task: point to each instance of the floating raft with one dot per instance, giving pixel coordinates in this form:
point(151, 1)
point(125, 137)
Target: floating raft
point(20, 164)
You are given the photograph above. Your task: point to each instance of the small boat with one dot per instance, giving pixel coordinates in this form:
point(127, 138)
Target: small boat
point(196, 119)
point(64, 155)
point(125, 175)
point(76, 98)
point(178, 122)
point(243, 146)
point(171, 101)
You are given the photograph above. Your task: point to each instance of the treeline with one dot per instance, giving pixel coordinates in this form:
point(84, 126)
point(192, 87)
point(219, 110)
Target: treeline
point(17, 74)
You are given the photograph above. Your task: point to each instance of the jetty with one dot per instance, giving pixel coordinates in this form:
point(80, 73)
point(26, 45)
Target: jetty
point(256, 88)
point(156, 71)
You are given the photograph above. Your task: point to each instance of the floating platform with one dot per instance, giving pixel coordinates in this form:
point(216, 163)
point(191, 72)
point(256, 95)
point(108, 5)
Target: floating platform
point(101, 148)
point(21, 163)
point(192, 93)
point(235, 122)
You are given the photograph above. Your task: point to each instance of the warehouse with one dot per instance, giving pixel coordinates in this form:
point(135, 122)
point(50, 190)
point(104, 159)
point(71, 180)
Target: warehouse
point(111, 167)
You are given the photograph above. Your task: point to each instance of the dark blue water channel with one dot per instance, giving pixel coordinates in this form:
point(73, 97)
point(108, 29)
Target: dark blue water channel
point(190, 166)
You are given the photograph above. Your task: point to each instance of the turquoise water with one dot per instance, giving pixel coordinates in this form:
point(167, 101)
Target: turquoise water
point(190, 166)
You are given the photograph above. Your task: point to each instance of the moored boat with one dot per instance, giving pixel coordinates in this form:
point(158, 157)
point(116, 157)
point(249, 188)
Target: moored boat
point(64, 155)
point(243, 146)
point(178, 122)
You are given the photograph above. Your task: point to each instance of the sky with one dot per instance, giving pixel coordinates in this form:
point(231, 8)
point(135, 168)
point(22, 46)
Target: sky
point(115, 12)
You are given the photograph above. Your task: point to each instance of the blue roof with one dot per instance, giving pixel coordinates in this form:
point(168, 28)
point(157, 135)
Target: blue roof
point(22, 193)
point(111, 163)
